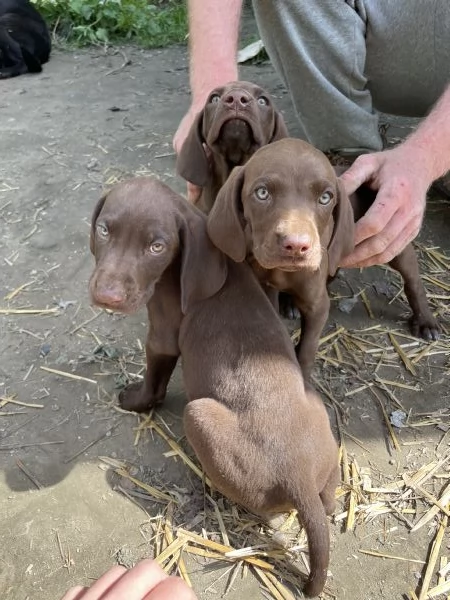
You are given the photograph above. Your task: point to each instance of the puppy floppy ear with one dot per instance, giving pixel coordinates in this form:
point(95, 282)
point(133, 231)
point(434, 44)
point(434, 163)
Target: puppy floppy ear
point(279, 130)
point(203, 267)
point(94, 218)
point(192, 163)
point(224, 222)
point(343, 237)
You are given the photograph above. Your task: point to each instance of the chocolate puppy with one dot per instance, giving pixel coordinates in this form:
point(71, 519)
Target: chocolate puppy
point(264, 441)
point(237, 119)
point(287, 212)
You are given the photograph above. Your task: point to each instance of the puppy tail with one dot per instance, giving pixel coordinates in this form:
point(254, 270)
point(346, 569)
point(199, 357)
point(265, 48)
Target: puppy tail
point(311, 515)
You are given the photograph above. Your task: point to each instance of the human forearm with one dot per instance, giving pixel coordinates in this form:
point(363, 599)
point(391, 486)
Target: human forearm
point(431, 140)
point(213, 40)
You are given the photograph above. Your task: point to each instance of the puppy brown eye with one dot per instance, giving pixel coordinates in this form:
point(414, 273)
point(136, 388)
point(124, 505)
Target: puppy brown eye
point(262, 101)
point(156, 248)
point(326, 198)
point(102, 230)
point(214, 98)
point(262, 193)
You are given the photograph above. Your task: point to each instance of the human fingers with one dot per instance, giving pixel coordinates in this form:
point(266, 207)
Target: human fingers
point(75, 593)
point(399, 190)
point(103, 584)
point(382, 248)
point(363, 170)
point(136, 583)
point(394, 249)
point(172, 587)
point(375, 220)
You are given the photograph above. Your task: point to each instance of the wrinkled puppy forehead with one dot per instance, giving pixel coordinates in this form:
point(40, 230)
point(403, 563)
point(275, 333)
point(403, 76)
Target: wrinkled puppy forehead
point(290, 159)
point(251, 88)
point(141, 200)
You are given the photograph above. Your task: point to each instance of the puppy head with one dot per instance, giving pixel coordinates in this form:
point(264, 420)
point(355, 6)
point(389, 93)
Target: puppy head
point(286, 207)
point(138, 230)
point(237, 119)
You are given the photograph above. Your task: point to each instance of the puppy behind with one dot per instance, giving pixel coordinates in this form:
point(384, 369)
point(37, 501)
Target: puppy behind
point(24, 39)
point(288, 213)
point(264, 440)
point(237, 119)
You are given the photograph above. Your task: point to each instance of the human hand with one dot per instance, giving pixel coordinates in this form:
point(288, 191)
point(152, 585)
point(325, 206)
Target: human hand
point(401, 177)
point(145, 581)
point(193, 191)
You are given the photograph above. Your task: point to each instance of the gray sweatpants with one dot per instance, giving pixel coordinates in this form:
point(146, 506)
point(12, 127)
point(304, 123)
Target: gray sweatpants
point(343, 60)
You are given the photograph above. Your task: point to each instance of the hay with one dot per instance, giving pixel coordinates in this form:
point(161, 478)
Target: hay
point(29, 311)
point(173, 543)
point(391, 557)
point(17, 291)
point(270, 564)
point(4, 400)
point(375, 363)
point(28, 473)
point(68, 375)
point(433, 558)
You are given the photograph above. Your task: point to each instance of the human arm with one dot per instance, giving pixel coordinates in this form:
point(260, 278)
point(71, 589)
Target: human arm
point(213, 40)
point(401, 177)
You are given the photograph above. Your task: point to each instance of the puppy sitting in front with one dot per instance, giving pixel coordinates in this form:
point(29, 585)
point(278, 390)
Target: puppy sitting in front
point(264, 441)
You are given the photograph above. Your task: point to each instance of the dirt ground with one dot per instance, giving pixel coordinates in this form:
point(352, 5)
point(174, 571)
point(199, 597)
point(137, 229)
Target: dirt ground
point(65, 515)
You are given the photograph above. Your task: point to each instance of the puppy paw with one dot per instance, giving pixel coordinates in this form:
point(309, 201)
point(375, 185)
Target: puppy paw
point(425, 327)
point(134, 398)
point(288, 309)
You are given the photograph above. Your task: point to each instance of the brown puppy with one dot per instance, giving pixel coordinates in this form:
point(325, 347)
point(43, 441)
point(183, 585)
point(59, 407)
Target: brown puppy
point(288, 214)
point(237, 119)
point(264, 441)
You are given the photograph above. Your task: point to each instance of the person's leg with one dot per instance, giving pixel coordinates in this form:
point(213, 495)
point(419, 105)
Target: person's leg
point(342, 59)
point(318, 49)
point(408, 50)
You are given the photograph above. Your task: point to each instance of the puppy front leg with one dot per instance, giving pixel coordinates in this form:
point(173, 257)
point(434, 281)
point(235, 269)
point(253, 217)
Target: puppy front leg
point(143, 396)
point(314, 306)
point(423, 323)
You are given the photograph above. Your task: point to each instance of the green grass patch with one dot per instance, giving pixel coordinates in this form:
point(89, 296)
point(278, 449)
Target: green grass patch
point(151, 24)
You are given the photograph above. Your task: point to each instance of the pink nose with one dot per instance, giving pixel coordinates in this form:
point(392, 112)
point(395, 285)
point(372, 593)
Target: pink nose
point(236, 99)
point(296, 243)
point(110, 296)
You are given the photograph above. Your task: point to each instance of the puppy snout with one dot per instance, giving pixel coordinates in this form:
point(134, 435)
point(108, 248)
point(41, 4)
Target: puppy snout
point(296, 243)
point(237, 99)
point(109, 296)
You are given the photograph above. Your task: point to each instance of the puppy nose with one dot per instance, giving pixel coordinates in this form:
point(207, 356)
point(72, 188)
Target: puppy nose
point(237, 99)
point(110, 296)
point(296, 243)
